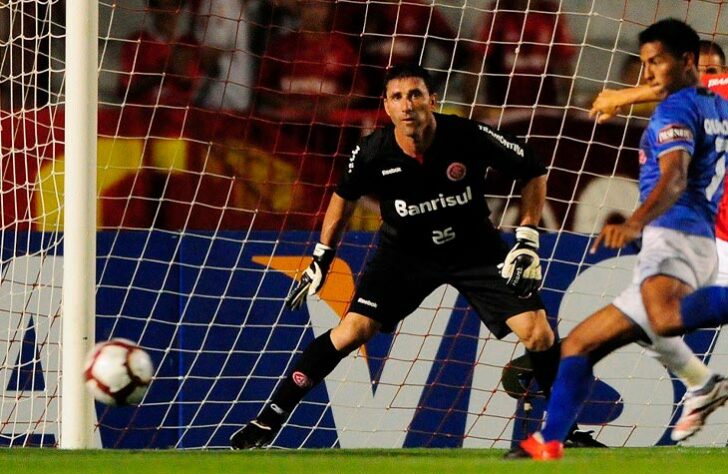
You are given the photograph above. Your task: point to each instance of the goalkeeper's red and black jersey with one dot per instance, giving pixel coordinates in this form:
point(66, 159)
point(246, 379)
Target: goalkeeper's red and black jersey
point(438, 204)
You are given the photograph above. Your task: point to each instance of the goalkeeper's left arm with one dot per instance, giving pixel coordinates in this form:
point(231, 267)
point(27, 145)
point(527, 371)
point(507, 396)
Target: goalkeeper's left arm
point(337, 216)
point(522, 266)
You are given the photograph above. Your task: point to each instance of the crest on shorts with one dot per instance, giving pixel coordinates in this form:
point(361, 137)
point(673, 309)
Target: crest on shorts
point(456, 171)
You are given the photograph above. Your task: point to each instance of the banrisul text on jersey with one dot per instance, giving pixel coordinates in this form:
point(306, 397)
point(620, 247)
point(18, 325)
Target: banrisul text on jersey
point(441, 202)
point(437, 202)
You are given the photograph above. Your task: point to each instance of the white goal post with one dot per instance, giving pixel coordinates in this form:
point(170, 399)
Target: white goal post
point(79, 241)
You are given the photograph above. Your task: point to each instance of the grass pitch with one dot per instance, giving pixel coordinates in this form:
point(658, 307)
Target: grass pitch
point(422, 461)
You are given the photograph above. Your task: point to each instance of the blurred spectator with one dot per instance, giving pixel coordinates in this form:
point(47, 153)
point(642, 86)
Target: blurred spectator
point(26, 30)
point(712, 58)
point(230, 33)
point(161, 63)
point(526, 44)
point(392, 32)
point(307, 73)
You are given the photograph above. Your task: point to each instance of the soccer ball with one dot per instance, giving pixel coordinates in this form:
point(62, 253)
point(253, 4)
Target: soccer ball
point(118, 372)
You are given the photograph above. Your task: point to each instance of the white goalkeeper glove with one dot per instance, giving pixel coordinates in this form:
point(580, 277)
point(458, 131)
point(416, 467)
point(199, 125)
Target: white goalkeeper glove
point(522, 267)
point(313, 277)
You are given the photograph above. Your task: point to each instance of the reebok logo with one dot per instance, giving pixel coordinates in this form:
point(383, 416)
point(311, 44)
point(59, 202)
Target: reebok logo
point(391, 171)
point(366, 302)
point(277, 409)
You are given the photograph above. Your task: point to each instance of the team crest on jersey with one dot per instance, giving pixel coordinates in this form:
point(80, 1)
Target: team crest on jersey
point(456, 171)
point(674, 132)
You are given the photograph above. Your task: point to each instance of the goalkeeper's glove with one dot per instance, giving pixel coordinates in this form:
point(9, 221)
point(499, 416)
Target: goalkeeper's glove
point(313, 277)
point(522, 267)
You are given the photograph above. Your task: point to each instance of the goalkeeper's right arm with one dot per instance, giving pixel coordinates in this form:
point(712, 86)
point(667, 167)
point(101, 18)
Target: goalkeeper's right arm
point(337, 216)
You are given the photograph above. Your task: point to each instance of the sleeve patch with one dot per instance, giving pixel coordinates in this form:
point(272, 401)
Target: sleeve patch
point(674, 132)
point(503, 141)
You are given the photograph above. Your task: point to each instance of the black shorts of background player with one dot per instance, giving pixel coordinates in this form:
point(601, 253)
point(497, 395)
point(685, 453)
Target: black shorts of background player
point(428, 171)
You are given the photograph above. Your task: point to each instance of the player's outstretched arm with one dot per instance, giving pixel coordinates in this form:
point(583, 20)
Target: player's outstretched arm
point(337, 216)
point(672, 183)
point(522, 266)
point(609, 102)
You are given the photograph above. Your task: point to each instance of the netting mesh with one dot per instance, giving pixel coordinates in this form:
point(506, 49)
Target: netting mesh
point(223, 126)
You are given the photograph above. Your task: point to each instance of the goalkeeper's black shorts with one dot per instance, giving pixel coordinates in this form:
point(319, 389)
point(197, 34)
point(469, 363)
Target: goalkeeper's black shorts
point(394, 284)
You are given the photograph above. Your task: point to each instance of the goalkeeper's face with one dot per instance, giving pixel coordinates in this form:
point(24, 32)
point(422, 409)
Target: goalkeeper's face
point(409, 104)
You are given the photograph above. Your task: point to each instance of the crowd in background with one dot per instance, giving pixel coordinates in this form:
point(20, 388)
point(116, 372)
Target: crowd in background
point(304, 60)
point(243, 109)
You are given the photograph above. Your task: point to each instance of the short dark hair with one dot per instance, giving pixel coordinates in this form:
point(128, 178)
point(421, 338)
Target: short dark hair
point(399, 71)
point(710, 47)
point(676, 36)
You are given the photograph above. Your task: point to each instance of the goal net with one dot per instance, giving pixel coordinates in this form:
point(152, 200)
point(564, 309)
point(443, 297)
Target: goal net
point(223, 127)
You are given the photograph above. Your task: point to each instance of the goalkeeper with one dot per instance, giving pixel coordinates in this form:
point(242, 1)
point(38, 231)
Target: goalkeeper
point(428, 171)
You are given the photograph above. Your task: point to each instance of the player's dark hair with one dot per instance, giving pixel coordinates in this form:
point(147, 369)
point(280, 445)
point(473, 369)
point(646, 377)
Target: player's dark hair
point(709, 47)
point(400, 71)
point(676, 36)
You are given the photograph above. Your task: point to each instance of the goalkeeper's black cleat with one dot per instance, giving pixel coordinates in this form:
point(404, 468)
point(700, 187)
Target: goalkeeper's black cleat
point(582, 439)
point(253, 435)
point(517, 452)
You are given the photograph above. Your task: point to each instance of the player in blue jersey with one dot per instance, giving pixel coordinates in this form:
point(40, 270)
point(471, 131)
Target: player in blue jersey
point(704, 388)
point(682, 158)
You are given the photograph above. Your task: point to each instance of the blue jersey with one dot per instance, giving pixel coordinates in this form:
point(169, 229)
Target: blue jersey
point(695, 120)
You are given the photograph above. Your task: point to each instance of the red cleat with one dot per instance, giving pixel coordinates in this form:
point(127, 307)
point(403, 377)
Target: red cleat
point(540, 450)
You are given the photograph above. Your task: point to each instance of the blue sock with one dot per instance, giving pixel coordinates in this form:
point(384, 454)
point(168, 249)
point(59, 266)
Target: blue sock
point(705, 308)
point(569, 392)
